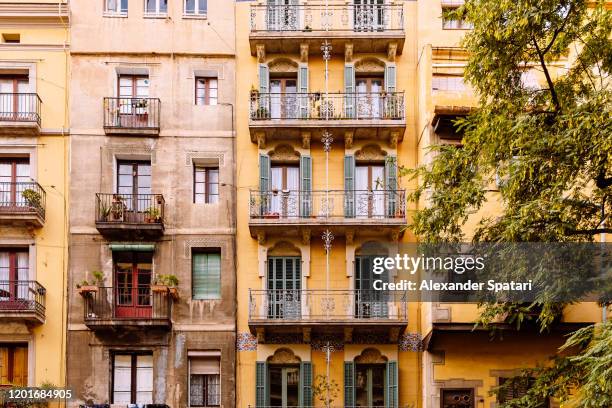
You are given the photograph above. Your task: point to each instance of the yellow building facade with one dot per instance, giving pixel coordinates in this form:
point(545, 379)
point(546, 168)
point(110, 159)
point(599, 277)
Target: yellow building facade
point(389, 89)
point(34, 54)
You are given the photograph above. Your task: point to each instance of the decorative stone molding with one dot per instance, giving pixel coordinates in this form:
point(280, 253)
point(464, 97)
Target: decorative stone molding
point(261, 53)
point(392, 51)
point(348, 53)
point(348, 139)
point(393, 140)
point(303, 52)
point(192, 156)
point(306, 235)
point(284, 248)
point(371, 356)
point(261, 139)
point(284, 153)
point(283, 65)
point(130, 150)
point(306, 136)
point(283, 356)
point(370, 65)
point(205, 243)
point(370, 153)
point(261, 238)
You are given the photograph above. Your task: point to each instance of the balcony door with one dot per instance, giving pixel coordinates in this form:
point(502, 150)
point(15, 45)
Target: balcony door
point(370, 190)
point(284, 383)
point(133, 284)
point(14, 364)
point(14, 273)
point(133, 190)
point(284, 285)
point(282, 15)
point(283, 98)
point(285, 187)
point(133, 91)
point(12, 105)
point(370, 385)
point(369, 15)
point(369, 303)
point(369, 99)
point(14, 179)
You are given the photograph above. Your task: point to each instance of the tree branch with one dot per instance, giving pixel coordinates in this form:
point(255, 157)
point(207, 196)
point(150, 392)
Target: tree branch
point(551, 85)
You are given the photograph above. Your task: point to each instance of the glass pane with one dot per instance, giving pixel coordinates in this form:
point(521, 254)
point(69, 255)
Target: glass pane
point(163, 6)
point(196, 390)
point(202, 6)
point(199, 174)
point(190, 6)
point(122, 379)
point(150, 6)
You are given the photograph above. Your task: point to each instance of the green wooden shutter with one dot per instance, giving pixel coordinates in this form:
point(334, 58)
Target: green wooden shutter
point(263, 108)
point(349, 384)
point(349, 89)
point(264, 183)
point(206, 276)
point(392, 390)
point(303, 90)
point(391, 184)
point(390, 78)
point(305, 397)
point(264, 79)
point(349, 186)
point(261, 384)
point(306, 185)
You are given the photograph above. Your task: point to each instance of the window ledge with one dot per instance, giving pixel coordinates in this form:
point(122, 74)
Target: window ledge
point(195, 16)
point(155, 15)
point(112, 14)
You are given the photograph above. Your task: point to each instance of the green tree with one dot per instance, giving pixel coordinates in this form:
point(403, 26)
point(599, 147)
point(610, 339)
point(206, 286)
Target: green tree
point(545, 153)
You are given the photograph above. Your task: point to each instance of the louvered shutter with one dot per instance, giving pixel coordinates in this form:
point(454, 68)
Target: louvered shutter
point(392, 388)
point(390, 78)
point(305, 397)
point(349, 186)
point(303, 90)
point(391, 185)
point(261, 384)
point(349, 89)
point(349, 384)
point(263, 107)
point(306, 186)
point(264, 184)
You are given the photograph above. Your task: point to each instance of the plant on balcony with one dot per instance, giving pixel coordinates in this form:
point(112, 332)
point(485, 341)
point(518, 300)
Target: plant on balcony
point(32, 197)
point(325, 390)
point(85, 288)
point(152, 215)
point(261, 113)
point(117, 208)
point(105, 211)
point(165, 284)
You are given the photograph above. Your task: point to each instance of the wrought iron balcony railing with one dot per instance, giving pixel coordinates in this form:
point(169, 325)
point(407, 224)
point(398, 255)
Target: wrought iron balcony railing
point(20, 107)
point(328, 305)
point(318, 17)
point(132, 114)
point(127, 302)
point(328, 204)
point(27, 197)
point(332, 106)
point(22, 297)
point(130, 208)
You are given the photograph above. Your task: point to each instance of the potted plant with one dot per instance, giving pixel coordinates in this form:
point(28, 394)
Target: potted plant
point(85, 288)
point(117, 208)
point(152, 215)
point(32, 197)
point(261, 113)
point(105, 211)
point(165, 284)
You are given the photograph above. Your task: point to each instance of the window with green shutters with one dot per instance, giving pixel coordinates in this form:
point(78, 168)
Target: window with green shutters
point(206, 274)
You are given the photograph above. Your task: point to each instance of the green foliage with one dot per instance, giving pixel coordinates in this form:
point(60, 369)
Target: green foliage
point(545, 154)
point(167, 280)
point(33, 197)
point(323, 388)
point(98, 277)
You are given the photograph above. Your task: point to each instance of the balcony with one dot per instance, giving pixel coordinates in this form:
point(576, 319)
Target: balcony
point(132, 116)
point(22, 204)
point(130, 216)
point(282, 116)
point(369, 28)
point(127, 306)
point(351, 312)
point(372, 213)
point(22, 301)
point(19, 114)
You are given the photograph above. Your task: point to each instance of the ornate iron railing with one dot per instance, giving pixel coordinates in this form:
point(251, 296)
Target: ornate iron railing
point(20, 107)
point(132, 113)
point(326, 204)
point(130, 208)
point(17, 296)
point(305, 305)
point(127, 302)
point(331, 106)
point(318, 17)
point(23, 198)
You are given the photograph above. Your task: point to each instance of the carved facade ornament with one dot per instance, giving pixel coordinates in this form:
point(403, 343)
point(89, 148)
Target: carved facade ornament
point(284, 356)
point(392, 52)
point(348, 140)
point(370, 65)
point(370, 153)
point(261, 53)
point(370, 356)
point(306, 234)
point(303, 52)
point(350, 236)
point(393, 140)
point(284, 153)
point(261, 139)
point(348, 53)
point(306, 140)
point(284, 248)
point(261, 237)
point(395, 235)
point(283, 65)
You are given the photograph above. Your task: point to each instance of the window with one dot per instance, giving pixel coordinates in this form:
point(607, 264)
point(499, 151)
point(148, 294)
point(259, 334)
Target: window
point(205, 185)
point(284, 385)
point(116, 7)
point(446, 82)
point(156, 7)
point(516, 388)
point(132, 378)
point(195, 7)
point(14, 180)
point(14, 364)
point(458, 398)
point(451, 23)
point(206, 91)
point(370, 385)
point(133, 284)
point(206, 274)
point(204, 379)
point(14, 268)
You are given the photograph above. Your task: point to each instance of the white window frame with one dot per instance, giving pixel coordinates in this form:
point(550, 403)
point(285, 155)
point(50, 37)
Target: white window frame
point(117, 12)
point(196, 13)
point(156, 13)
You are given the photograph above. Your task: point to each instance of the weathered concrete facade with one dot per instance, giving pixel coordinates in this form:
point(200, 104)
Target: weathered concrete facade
point(170, 137)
